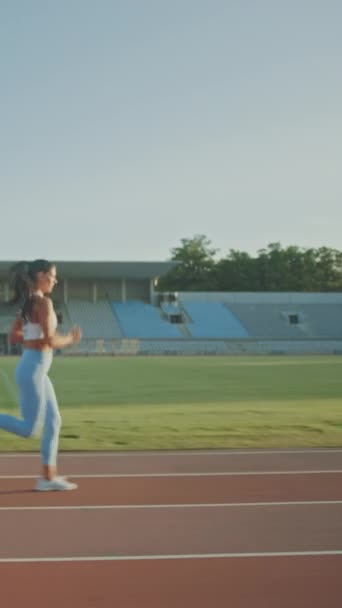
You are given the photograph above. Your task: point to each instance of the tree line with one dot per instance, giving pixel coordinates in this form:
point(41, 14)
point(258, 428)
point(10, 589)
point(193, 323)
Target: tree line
point(274, 268)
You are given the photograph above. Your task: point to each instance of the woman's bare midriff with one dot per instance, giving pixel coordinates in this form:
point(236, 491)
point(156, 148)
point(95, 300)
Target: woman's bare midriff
point(36, 345)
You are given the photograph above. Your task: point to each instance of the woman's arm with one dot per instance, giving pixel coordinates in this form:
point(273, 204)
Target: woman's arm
point(46, 319)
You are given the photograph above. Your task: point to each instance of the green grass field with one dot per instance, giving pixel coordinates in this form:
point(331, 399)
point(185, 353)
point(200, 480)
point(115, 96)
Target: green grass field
point(196, 402)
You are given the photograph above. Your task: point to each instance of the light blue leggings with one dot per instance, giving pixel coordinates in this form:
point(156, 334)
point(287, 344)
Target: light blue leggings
point(38, 404)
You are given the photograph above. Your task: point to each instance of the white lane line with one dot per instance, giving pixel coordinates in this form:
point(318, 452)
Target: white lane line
point(199, 505)
point(206, 474)
point(176, 453)
point(122, 558)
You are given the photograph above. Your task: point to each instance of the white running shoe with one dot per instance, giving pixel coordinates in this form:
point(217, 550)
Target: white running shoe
point(55, 484)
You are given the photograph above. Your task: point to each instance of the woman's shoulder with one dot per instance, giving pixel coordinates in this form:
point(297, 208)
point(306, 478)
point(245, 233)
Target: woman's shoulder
point(42, 304)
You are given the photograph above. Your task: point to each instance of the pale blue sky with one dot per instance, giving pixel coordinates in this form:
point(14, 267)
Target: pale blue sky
point(127, 125)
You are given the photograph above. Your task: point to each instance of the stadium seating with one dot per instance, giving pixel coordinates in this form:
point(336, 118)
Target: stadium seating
point(321, 321)
point(96, 319)
point(213, 320)
point(140, 320)
point(264, 320)
point(213, 324)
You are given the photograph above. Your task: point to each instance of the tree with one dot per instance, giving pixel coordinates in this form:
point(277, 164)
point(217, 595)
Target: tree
point(196, 263)
point(328, 270)
point(237, 272)
point(273, 269)
point(280, 269)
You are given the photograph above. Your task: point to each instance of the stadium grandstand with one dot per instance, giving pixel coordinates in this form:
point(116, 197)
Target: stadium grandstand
point(121, 312)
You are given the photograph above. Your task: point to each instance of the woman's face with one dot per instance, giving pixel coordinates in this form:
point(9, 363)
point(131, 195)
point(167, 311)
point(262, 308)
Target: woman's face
point(47, 280)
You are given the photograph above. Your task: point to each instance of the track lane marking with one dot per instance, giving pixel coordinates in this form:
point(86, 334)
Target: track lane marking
point(176, 453)
point(174, 506)
point(195, 474)
point(118, 558)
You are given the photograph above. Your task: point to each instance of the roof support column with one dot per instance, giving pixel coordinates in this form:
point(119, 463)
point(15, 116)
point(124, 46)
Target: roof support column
point(123, 290)
point(151, 291)
point(6, 291)
point(94, 292)
point(65, 291)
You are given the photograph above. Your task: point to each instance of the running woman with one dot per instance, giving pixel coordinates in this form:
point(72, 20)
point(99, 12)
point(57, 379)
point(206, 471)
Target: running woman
point(35, 327)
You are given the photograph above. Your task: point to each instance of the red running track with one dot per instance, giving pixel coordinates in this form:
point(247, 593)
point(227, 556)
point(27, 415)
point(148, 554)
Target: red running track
point(160, 542)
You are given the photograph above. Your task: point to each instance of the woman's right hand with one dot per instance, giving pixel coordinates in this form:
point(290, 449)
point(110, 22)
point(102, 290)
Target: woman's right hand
point(75, 334)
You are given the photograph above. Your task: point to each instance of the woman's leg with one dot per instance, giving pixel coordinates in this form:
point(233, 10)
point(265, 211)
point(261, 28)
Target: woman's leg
point(50, 438)
point(23, 428)
point(32, 400)
point(49, 447)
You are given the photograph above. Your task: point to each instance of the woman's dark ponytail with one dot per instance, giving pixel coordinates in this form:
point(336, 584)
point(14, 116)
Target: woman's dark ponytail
point(22, 280)
point(22, 286)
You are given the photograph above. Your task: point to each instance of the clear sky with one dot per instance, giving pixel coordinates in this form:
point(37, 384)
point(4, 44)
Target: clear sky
point(126, 125)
